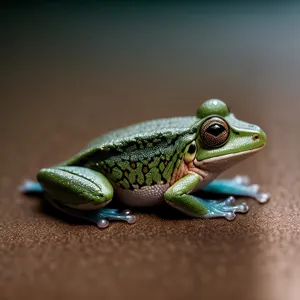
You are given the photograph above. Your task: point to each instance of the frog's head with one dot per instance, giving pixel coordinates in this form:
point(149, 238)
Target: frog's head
point(223, 140)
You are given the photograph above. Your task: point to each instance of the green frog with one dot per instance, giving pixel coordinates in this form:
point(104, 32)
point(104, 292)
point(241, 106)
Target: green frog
point(155, 162)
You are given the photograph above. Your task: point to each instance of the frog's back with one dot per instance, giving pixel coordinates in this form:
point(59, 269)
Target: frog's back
point(123, 139)
point(146, 130)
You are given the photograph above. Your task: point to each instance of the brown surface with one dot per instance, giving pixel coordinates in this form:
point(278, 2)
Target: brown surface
point(69, 75)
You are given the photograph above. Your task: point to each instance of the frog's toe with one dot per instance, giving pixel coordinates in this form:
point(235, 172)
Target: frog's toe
point(262, 197)
point(230, 200)
point(102, 223)
point(131, 219)
point(241, 179)
point(253, 192)
point(230, 216)
point(243, 208)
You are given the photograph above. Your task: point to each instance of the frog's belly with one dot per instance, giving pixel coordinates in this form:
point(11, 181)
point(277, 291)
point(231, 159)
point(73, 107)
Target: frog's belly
point(145, 196)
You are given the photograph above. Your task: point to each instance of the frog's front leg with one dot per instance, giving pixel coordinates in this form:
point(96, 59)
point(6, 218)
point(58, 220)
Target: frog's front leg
point(80, 192)
point(178, 196)
point(238, 186)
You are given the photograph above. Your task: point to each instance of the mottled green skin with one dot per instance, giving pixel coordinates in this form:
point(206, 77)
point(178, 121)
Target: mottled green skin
point(140, 155)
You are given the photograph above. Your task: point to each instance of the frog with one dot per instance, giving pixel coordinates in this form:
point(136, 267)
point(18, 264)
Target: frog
point(161, 161)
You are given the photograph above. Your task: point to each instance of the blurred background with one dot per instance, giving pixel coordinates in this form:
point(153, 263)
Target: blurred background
point(72, 70)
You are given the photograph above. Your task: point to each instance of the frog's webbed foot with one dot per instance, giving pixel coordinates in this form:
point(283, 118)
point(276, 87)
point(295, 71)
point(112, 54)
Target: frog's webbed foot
point(30, 186)
point(178, 196)
point(238, 186)
point(225, 208)
point(100, 217)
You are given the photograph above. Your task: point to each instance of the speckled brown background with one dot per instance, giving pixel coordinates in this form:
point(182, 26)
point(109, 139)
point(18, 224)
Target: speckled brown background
point(69, 74)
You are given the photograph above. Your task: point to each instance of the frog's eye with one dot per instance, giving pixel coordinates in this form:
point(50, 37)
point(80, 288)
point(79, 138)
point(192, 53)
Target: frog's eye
point(214, 132)
point(190, 152)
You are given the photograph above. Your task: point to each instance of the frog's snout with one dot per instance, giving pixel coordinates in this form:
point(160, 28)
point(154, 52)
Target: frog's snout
point(260, 137)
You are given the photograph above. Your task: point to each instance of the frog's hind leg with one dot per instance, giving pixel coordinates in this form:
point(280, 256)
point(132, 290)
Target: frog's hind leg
point(238, 186)
point(82, 193)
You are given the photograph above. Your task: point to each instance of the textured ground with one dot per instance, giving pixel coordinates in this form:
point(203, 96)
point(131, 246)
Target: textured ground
point(69, 75)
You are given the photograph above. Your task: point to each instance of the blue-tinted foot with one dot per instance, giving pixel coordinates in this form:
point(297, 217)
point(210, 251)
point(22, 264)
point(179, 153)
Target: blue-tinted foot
point(101, 217)
point(225, 208)
point(238, 186)
point(31, 187)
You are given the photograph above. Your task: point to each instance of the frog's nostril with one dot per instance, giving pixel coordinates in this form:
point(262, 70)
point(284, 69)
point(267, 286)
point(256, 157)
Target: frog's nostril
point(255, 137)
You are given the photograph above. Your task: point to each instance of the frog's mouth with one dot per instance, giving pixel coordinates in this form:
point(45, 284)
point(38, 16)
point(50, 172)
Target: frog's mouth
point(221, 163)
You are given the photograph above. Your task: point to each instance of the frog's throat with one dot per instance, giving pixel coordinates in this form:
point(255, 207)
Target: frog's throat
point(210, 168)
point(219, 164)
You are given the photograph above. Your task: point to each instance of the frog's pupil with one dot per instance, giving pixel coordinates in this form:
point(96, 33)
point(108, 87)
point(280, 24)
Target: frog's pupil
point(192, 149)
point(215, 129)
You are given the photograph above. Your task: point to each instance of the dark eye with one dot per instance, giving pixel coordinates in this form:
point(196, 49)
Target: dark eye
point(214, 132)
